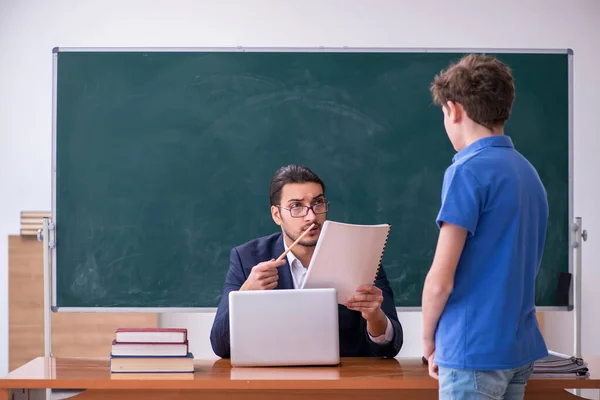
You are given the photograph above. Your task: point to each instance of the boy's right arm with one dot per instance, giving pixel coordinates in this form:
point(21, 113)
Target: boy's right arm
point(462, 203)
point(440, 280)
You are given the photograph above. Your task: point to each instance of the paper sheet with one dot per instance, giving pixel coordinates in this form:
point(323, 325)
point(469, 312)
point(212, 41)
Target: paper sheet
point(346, 256)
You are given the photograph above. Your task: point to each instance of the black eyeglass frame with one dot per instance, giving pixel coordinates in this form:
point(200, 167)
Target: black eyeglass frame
point(306, 208)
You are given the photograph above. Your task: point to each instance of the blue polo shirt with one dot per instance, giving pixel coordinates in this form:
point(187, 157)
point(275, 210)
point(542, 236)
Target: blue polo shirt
point(489, 321)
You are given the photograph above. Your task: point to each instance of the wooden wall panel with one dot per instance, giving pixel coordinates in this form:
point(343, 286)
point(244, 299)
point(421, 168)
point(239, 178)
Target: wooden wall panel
point(25, 300)
point(85, 334)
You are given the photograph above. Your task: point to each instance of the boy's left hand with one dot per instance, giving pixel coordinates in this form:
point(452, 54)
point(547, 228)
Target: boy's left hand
point(433, 368)
point(429, 353)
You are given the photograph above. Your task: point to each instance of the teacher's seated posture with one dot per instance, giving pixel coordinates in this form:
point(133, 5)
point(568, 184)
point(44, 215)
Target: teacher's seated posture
point(368, 323)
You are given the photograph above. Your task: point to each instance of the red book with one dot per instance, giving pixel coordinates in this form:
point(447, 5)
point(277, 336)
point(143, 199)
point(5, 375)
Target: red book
point(151, 335)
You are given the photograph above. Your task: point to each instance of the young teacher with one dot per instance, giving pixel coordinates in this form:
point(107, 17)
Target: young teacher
point(368, 322)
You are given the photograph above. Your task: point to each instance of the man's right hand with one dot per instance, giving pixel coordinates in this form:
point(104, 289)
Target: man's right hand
point(264, 276)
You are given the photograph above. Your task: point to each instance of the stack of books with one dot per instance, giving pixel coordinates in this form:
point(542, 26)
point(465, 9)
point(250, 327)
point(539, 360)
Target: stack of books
point(138, 350)
point(557, 365)
point(32, 221)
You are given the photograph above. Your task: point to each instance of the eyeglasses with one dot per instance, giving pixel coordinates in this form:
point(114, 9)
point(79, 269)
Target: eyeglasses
point(302, 211)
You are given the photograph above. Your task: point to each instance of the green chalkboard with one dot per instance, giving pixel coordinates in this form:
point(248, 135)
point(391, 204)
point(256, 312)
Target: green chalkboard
point(163, 161)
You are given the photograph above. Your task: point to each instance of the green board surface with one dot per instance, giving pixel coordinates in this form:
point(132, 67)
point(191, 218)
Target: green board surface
point(164, 158)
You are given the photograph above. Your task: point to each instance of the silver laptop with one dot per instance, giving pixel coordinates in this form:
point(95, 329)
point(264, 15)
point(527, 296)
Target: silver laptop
point(284, 327)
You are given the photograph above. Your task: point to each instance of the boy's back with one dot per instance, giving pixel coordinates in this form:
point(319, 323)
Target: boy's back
point(489, 321)
point(480, 333)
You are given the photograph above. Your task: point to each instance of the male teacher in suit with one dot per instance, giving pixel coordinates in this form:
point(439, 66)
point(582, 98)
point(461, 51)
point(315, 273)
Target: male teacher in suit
point(368, 322)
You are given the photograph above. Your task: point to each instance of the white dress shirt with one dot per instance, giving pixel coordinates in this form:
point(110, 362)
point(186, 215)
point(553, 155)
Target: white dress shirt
point(299, 274)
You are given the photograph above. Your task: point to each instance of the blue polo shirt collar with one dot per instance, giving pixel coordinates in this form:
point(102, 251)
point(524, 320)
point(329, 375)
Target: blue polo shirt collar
point(489, 141)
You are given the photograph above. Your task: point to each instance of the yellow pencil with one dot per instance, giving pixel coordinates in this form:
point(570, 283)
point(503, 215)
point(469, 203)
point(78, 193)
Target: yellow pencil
point(293, 244)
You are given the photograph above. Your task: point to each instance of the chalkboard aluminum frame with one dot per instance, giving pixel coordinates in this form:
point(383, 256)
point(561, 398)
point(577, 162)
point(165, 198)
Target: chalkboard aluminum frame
point(53, 249)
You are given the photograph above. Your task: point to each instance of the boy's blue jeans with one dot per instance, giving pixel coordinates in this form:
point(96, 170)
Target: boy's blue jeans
point(460, 384)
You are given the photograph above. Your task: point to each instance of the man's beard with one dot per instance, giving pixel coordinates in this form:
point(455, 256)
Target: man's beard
point(306, 242)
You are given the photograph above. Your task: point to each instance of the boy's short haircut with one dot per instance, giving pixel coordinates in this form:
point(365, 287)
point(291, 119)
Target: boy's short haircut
point(482, 84)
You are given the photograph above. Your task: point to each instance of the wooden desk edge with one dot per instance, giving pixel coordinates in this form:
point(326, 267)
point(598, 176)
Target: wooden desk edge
point(208, 384)
point(202, 381)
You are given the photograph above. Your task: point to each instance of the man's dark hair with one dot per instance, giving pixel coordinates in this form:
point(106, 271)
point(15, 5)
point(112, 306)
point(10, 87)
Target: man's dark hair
point(482, 84)
point(291, 174)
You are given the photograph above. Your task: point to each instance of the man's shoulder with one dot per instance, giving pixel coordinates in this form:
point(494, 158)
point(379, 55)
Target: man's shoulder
point(259, 245)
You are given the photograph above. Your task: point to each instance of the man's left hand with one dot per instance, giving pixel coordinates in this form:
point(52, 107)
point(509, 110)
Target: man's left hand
point(368, 301)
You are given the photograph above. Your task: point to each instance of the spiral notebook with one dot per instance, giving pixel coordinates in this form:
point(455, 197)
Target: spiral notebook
point(346, 256)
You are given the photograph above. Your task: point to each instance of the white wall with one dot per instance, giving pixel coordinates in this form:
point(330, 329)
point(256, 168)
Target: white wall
point(29, 29)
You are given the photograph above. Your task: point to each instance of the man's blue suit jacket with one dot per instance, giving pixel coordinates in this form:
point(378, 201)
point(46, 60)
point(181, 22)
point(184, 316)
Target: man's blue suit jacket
point(354, 340)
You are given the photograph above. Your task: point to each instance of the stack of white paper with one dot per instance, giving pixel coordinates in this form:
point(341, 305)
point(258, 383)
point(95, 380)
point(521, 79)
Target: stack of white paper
point(346, 256)
point(557, 365)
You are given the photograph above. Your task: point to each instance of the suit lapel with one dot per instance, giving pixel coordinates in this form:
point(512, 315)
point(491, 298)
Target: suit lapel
point(285, 275)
